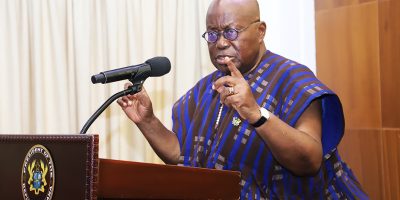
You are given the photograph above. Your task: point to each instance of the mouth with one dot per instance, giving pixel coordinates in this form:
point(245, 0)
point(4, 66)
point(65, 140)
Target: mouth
point(220, 59)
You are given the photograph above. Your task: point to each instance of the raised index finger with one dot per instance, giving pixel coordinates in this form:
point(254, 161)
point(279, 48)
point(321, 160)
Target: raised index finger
point(232, 68)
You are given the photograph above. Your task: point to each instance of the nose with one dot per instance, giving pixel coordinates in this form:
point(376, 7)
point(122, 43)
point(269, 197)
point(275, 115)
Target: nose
point(222, 42)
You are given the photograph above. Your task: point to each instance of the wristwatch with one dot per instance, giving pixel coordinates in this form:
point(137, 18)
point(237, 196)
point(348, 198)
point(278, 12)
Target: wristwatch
point(264, 117)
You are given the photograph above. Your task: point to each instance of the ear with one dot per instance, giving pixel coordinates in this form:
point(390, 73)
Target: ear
point(262, 28)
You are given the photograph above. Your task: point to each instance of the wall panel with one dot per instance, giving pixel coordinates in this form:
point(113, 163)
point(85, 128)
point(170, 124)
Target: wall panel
point(361, 150)
point(391, 160)
point(389, 30)
point(347, 45)
point(330, 4)
point(358, 56)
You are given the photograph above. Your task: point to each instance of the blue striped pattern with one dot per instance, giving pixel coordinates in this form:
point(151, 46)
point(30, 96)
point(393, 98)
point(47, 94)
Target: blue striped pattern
point(286, 88)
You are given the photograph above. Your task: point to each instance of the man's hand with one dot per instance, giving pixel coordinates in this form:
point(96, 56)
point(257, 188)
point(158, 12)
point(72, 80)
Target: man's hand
point(137, 107)
point(235, 92)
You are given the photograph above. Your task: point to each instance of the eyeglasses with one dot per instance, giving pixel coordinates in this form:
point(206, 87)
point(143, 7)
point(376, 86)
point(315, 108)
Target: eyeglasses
point(230, 34)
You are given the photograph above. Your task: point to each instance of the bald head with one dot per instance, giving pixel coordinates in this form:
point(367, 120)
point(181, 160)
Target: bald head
point(247, 9)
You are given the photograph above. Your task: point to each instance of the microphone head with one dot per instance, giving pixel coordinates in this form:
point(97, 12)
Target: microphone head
point(159, 65)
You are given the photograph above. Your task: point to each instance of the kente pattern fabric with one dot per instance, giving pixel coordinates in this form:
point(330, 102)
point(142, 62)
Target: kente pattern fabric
point(285, 88)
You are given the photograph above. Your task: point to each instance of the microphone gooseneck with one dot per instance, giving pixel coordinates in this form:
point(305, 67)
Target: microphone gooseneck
point(130, 90)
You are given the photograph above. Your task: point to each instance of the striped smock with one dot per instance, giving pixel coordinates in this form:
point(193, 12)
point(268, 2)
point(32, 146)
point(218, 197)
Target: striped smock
point(285, 88)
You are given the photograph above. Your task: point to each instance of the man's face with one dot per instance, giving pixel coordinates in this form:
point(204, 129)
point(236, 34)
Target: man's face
point(244, 50)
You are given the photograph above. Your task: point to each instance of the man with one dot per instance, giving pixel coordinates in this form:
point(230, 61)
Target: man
point(259, 113)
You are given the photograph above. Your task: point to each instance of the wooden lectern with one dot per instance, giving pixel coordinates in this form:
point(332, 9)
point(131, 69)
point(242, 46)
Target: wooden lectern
point(78, 173)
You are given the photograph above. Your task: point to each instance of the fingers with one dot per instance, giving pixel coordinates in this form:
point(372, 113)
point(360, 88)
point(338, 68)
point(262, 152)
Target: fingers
point(226, 92)
point(232, 95)
point(230, 101)
point(142, 97)
point(232, 80)
point(229, 81)
point(223, 82)
point(226, 86)
point(230, 90)
point(232, 68)
point(126, 101)
point(126, 85)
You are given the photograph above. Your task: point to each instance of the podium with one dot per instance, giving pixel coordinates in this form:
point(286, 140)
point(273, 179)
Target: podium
point(68, 167)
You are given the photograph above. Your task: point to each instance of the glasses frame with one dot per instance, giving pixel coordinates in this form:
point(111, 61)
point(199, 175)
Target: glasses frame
point(225, 31)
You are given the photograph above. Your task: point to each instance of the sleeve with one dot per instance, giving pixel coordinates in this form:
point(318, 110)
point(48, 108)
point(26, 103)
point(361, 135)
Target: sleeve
point(180, 118)
point(182, 114)
point(332, 122)
point(301, 91)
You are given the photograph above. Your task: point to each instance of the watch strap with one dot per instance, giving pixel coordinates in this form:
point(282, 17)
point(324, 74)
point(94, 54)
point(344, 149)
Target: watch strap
point(264, 117)
point(259, 122)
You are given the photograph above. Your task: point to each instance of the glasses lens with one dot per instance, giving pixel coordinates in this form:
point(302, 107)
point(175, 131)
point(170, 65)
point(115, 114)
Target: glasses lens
point(211, 36)
point(230, 34)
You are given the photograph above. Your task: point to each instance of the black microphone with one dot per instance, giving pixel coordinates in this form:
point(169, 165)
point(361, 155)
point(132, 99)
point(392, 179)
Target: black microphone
point(156, 66)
